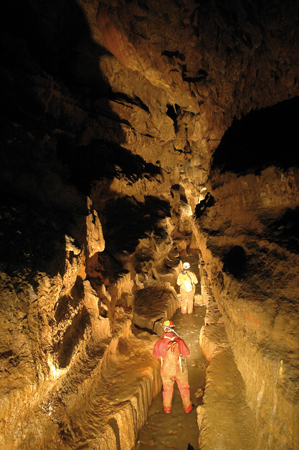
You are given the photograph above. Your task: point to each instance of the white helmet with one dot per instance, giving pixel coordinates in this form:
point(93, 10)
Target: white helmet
point(186, 265)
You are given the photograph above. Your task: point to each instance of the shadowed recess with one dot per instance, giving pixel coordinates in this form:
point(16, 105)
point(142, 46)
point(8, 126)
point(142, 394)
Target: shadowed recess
point(34, 237)
point(127, 221)
point(68, 302)
point(261, 139)
point(71, 338)
point(285, 230)
point(102, 160)
point(114, 425)
point(202, 206)
point(235, 261)
point(61, 27)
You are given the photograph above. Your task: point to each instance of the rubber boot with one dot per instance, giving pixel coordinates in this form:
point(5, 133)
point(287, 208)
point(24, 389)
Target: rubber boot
point(188, 408)
point(187, 405)
point(167, 401)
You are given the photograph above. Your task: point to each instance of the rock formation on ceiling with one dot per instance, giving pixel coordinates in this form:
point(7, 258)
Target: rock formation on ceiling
point(117, 157)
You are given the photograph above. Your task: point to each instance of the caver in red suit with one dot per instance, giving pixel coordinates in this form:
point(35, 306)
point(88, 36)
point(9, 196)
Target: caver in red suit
point(169, 348)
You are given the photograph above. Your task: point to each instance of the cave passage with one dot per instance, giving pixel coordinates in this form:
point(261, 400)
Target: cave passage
point(178, 429)
point(133, 134)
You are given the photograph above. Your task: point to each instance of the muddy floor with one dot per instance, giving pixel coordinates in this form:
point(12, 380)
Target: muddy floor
point(178, 430)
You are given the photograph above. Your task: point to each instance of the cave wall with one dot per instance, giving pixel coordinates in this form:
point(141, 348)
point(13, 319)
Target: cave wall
point(253, 275)
point(248, 235)
point(111, 133)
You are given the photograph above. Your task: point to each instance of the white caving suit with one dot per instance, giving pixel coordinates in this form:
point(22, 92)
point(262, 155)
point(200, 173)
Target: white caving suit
point(187, 281)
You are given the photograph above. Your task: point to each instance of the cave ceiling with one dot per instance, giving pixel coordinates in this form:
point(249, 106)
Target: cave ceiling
point(168, 96)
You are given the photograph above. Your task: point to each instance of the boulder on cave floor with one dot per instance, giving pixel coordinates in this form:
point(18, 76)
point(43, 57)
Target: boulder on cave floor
point(154, 304)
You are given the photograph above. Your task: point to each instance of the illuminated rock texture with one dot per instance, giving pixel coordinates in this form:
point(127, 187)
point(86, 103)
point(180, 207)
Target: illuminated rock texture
point(134, 132)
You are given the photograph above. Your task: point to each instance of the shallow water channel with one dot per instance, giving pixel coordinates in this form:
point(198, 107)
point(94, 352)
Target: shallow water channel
point(177, 430)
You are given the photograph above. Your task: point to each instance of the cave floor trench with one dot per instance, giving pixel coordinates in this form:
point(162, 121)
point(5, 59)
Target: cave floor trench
point(178, 429)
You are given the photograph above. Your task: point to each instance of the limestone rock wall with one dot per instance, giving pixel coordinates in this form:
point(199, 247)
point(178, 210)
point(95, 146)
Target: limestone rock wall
point(225, 407)
point(253, 277)
point(84, 225)
point(66, 327)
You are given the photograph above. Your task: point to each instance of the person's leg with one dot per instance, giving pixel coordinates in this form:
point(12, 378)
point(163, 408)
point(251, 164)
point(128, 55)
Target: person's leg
point(184, 388)
point(190, 301)
point(183, 302)
point(168, 383)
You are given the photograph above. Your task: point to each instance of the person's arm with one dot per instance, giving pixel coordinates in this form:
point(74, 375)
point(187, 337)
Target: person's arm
point(156, 351)
point(184, 350)
point(160, 348)
point(194, 278)
point(179, 280)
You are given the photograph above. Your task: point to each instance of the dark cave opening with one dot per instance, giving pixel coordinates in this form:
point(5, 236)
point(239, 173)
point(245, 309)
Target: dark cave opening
point(285, 230)
point(261, 139)
point(173, 112)
point(127, 221)
point(234, 261)
point(206, 203)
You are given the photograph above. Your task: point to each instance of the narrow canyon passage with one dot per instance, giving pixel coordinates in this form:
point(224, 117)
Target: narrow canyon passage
point(178, 429)
point(136, 135)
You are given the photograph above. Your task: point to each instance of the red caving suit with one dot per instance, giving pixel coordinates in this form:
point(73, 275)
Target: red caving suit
point(171, 373)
